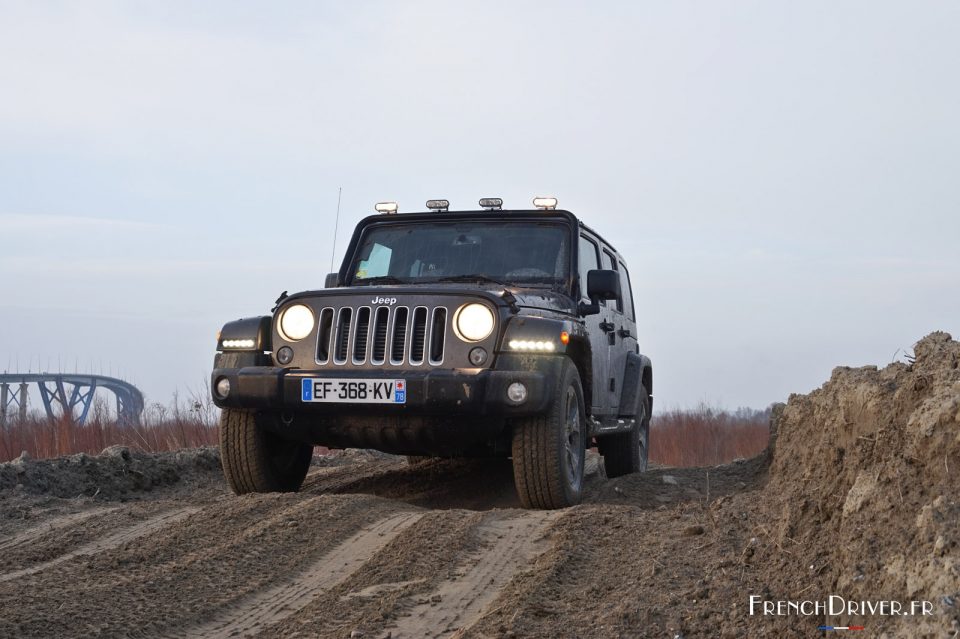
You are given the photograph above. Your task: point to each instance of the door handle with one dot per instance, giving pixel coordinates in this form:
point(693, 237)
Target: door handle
point(607, 327)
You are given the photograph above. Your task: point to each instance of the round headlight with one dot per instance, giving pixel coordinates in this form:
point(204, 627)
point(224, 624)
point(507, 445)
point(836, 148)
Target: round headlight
point(296, 322)
point(474, 322)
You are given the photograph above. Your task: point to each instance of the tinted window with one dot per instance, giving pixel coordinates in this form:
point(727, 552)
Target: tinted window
point(522, 253)
point(588, 262)
point(627, 291)
point(610, 263)
point(377, 263)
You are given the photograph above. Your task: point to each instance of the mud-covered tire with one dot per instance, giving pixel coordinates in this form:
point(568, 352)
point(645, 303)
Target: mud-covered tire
point(256, 460)
point(549, 450)
point(625, 453)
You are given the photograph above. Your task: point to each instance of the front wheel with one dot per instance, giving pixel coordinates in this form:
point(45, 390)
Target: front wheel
point(549, 450)
point(256, 460)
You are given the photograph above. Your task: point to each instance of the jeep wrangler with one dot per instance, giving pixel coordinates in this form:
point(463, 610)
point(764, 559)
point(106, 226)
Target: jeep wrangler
point(486, 333)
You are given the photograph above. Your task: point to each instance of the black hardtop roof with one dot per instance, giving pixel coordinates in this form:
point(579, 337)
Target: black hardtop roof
point(428, 216)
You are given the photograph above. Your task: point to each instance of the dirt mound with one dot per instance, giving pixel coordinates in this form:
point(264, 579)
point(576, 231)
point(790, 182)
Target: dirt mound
point(864, 483)
point(116, 473)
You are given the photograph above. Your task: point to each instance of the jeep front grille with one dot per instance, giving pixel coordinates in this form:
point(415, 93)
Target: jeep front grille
point(380, 324)
point(325, 334)
point(418, 335)
point(363, 335)
point(344, 322)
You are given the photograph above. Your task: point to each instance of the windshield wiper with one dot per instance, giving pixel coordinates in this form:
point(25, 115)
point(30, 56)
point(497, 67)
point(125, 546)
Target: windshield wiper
point(380, 279)
point(473, 277)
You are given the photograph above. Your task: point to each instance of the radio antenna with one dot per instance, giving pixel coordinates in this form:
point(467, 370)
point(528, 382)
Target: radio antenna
point(336, 225)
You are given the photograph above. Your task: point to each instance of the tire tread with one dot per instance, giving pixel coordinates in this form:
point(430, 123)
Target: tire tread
point(537, 467)
point(243, 456)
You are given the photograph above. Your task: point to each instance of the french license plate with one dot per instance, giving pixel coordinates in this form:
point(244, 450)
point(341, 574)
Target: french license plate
point(355, 391)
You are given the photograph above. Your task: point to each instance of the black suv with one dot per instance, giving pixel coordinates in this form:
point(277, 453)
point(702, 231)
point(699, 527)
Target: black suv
point(455, 334)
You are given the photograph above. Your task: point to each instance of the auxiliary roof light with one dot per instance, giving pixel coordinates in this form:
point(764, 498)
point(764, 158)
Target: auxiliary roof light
point(438, 205)
point(545, 202)
point(387, 208)
point(491, 203)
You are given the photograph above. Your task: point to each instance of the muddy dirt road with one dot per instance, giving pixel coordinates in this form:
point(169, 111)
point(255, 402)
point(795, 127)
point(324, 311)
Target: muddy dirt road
point(371, 545)
point(858, 498)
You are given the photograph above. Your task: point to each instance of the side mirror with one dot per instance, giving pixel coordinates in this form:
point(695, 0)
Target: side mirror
point(331, 281)
point(601, 285)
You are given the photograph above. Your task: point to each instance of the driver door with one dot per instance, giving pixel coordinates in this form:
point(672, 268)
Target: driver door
point(596, 325)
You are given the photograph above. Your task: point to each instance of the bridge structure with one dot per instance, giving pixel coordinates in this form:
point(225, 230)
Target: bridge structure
point(67, 393)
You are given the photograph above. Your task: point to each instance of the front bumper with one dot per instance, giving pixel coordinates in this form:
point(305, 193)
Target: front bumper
point(434, 392)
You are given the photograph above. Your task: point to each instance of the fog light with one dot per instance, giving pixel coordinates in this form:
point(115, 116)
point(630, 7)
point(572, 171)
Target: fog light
point(285, 355)
point(517, 393)
point(478, 356)
point(223, 387)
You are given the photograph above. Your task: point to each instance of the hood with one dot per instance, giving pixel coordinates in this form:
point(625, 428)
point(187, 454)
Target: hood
point(533, 298)
point(545, 300)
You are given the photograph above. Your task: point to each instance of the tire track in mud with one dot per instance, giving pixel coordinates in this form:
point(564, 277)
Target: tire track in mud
point(51, 525)
point(256, 612)
point(119, 538)
point(189, 573)
point(314, 565)
point(474, 484)
point(511, 542)
point(336, 479)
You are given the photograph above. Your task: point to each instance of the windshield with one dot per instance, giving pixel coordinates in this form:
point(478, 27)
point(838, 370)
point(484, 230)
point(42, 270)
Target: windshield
point(508, 252)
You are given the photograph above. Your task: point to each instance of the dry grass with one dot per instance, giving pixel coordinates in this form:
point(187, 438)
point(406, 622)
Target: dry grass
point(184, 424)
point(704, 436)
point(707, 436)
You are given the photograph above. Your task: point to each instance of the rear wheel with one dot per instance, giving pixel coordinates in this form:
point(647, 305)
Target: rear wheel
point(548, 449)
point(626, 453)
point(256, 460)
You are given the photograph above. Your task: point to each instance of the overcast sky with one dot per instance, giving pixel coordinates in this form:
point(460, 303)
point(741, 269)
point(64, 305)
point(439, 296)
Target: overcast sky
point(783, 177)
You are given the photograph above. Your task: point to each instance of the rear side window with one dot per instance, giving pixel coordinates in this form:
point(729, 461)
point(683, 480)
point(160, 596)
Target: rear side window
point(627, 291)
point(588, 262)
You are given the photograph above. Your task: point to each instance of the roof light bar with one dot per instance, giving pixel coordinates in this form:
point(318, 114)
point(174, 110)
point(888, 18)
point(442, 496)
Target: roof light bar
point(387, 208)
point(438, 205)
point(546, 203)
point(491, 203)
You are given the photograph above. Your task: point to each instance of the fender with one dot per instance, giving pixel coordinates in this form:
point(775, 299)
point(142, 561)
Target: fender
point(638, 372)
point(257, 329)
